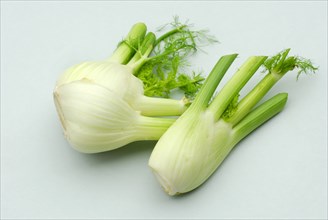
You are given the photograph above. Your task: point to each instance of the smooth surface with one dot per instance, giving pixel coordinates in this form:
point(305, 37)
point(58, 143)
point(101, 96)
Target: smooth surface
point(280, 171)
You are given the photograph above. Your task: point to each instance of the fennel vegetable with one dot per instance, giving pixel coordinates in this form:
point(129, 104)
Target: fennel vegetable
point(101, 104)
point(96, 120)
point(202, 137)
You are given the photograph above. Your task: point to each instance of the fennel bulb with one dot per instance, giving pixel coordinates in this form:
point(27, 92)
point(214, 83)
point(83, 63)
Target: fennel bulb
point(197, 143)
point(96, 120)
point(102, 104)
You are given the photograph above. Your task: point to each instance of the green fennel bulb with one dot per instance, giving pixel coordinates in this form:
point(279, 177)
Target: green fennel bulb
point(202, 137)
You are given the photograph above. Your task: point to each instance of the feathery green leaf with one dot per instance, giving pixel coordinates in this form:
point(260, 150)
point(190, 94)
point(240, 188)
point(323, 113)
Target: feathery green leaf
point(280, 64)
point(166, 68)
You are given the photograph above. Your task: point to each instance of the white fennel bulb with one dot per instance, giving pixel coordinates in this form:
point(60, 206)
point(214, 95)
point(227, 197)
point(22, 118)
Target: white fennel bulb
point(95, 119)
point(198, 142)
point(102, 104)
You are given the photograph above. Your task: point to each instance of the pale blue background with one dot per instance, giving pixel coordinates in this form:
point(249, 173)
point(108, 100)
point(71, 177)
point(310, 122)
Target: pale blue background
point(280, 171)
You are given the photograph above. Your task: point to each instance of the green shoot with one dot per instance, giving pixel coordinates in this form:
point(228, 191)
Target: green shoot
point(235, 84)
point(259, 115)
point(127, 47)
point(276, 66)
point(142, 52)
